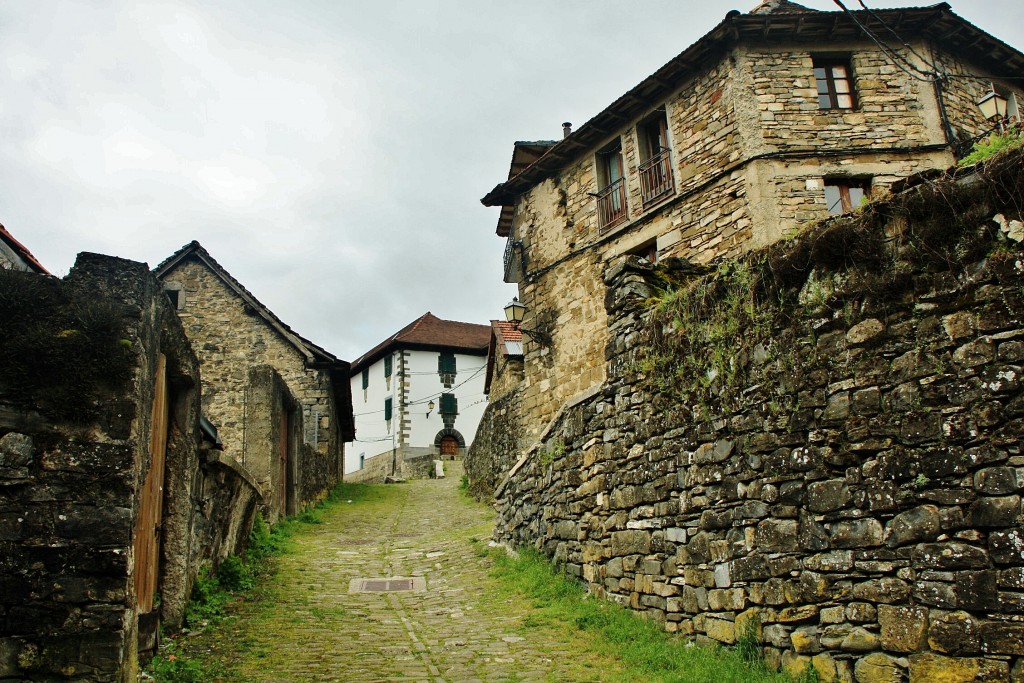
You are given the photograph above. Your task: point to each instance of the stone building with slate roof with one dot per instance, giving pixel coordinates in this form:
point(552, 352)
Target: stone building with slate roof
point(417, 396)
point(280, 403)
point(773, 120)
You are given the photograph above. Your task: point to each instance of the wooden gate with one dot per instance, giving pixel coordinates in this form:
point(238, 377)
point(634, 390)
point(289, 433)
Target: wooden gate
point(147, 526)
point(449, 446)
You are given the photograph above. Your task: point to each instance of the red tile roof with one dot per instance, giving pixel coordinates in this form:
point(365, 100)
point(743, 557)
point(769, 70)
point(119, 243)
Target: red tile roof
point(430, 332)
point(505, 331)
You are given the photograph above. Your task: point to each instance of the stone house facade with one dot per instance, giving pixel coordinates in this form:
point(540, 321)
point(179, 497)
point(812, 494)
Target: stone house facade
point(418, 396)
point(108, 501)
point(771, 121)
point(281, 403)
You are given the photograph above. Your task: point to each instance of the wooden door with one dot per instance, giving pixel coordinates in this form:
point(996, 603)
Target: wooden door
point(449, 446)
point(282, 451)
point(147, 526)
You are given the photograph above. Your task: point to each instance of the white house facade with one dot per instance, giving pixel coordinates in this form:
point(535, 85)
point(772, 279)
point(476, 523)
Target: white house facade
point(418, 396)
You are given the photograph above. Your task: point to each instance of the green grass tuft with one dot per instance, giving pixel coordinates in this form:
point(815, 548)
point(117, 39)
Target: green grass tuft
point(646, 650)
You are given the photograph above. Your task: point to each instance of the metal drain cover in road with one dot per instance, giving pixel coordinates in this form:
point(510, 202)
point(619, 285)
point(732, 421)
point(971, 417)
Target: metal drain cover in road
point(391, 584)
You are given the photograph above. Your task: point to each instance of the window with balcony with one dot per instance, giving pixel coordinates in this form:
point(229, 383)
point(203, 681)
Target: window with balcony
point(843, 195)
point(611, 197)
point(835, 83)
point(655, 161)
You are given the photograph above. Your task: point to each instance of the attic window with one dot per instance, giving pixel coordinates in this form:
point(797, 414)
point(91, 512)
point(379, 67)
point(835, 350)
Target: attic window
point(835, 83)
point(173, 291)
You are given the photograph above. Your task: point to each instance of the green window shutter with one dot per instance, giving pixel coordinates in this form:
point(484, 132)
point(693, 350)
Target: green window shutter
point(446, 363)
point(387, 366)
point(366, 378)
point(449, 404)
point(387, 409)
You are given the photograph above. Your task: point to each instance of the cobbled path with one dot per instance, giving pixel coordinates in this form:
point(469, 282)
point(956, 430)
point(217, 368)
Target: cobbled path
point(307, 626)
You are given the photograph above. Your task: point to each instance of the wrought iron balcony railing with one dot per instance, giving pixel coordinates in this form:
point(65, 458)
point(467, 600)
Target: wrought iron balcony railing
point(656, 178)
point(611, 205)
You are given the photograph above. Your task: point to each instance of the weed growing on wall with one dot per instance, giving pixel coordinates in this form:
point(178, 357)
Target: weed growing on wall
point(994, 144)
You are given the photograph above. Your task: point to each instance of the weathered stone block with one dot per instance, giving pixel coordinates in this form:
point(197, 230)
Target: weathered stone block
point(631, 542)
point(777, 535)
point(977, 590)
point(857, 533)
point(805, 640)
point(933, 668)
point(859, 640)
point(1002, 638)
point(920, 524)
point(827, 496)
point(955, 633)
point(1007, 547)
point(904, 629)
point(878, 668)
point(994, 512)
point(949, 555)
point(996, 481)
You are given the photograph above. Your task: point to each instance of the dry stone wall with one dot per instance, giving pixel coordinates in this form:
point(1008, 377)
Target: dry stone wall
point(854, 501)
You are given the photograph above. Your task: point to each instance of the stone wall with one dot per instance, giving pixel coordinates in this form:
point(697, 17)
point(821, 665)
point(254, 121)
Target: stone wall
point(231, 338)
point(495, 447)
point(70, 492)
point(848, 492)
point(375, 470)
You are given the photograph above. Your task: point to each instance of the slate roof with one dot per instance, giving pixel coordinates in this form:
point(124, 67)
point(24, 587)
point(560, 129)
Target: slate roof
point(22, 251)
point(774, 22)
point(428, 332)
point(316, 356)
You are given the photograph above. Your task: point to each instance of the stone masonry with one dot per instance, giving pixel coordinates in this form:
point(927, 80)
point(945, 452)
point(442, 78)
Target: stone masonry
point(856, 504)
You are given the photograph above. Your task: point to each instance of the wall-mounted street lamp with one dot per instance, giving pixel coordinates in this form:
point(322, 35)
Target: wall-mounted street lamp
point(514, 312)
point(430, 408)
point(993, 107)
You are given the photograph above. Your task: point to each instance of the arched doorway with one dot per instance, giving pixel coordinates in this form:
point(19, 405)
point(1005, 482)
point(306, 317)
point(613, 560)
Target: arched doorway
point(449, 444)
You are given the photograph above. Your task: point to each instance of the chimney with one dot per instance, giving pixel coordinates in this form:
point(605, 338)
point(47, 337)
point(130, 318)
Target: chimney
point(566, 130)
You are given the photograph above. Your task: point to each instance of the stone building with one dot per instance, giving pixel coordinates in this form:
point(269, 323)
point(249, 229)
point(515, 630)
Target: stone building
point(504, 359)
point(14, 255)
point(771, 121)
point(418, 396)
point(108, 504)
point(281, 404)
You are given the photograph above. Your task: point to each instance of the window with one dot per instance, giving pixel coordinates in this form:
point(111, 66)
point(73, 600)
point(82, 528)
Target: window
point(655, 162)
point(449, 404)
point(845, 195)
point(387, 412)
point(366, 378)
point(387, 366)
point(446, 368)
point(647, 251)
point(611, 197)
point(173, 291)
point(362, 460)
point(835, 84)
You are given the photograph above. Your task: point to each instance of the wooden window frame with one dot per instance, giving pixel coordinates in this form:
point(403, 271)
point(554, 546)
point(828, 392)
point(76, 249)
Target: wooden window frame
point(828, 77)
point(844, 185)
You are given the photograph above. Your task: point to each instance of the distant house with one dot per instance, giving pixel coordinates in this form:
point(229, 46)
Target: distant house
point(280, 403)
point(417, 396)
point(504, 359)
point(773, 120)
point(15, 256)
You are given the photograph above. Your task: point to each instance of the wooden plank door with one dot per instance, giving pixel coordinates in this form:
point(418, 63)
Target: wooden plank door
point(147, 526)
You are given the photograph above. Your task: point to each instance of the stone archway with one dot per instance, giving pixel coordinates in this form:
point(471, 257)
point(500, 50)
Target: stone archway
point(449, 444)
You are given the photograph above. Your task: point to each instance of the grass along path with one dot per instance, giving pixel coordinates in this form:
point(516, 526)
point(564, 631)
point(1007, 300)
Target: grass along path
point(483, 617)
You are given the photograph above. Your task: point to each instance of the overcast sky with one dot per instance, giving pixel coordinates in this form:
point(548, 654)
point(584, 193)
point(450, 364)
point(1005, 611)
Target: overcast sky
point(330, 154)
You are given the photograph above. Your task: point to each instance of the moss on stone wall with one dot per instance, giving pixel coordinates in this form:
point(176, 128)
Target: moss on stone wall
point(64, 352)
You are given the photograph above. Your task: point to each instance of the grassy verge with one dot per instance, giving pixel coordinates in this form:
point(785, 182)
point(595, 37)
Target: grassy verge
point(235, 578)
point(647, 652)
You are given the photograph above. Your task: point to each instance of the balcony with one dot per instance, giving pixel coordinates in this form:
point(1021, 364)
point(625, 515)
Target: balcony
point(611, 205)
point(513, 259)
point(656, 179)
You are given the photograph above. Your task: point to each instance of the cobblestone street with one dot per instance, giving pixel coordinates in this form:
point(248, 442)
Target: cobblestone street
point(309, 626)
